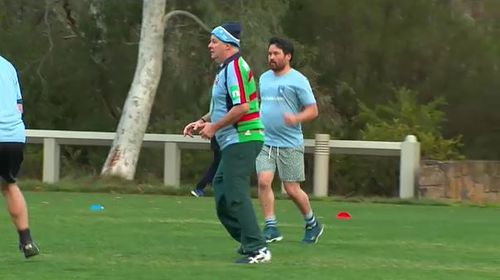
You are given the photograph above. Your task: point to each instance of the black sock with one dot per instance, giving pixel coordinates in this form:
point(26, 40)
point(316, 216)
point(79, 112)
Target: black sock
point(24, 236)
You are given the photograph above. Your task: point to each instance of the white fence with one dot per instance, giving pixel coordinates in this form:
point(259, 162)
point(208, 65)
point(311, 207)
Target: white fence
point(172, 144)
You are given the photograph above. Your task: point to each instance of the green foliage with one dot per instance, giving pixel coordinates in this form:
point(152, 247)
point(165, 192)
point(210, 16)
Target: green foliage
point(392, 121)
point(438, 48)
point(365, 176)
point(403, 116)
point(76, 60)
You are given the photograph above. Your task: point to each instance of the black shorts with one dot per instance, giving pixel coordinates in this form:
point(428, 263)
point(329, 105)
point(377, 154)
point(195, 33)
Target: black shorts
point(11, 157)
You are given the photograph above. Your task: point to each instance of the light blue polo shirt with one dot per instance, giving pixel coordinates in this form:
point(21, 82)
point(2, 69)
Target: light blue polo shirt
point(11, 123)
point(289, 93)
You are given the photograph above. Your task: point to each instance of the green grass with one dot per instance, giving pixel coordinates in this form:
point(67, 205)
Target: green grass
point(175, 237)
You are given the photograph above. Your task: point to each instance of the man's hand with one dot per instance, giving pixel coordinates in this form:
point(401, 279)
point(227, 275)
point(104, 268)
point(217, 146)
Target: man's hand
point(291, 119)
point(207, 130)
point(191, 127)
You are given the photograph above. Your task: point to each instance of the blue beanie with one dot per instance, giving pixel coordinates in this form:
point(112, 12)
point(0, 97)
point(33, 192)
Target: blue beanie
point(228, 33)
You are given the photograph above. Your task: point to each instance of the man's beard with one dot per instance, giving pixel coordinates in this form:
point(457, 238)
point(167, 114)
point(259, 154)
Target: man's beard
point(276, 66)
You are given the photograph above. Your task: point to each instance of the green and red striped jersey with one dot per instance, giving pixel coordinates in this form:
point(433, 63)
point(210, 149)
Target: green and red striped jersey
point(235, 85)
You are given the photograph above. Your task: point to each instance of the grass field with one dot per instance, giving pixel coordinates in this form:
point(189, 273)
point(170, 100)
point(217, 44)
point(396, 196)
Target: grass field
point(173, 237)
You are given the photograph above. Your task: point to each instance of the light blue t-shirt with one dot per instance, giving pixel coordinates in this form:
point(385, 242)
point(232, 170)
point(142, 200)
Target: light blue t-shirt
point(11, 123)
point(289, 93)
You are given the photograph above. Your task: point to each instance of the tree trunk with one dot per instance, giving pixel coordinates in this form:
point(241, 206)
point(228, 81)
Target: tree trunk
point(123, 156)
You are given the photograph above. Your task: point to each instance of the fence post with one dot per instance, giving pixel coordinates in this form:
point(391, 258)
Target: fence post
point(51, 157)
point(172, 165)
point(321, 161)
point(409, 165)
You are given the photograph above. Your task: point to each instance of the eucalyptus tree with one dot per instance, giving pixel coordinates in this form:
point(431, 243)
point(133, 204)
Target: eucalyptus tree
point(124, 154)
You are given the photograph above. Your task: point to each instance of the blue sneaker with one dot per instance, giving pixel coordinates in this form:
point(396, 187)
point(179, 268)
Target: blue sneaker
point(197, 192)
point(262, 255)
point(29, 249)
point(312, 234)
point(272, 234)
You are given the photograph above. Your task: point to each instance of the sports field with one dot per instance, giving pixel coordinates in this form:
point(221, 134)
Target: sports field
point(171, 237)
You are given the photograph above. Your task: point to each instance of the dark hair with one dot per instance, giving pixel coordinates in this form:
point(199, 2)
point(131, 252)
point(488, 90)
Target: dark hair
point(285, 45)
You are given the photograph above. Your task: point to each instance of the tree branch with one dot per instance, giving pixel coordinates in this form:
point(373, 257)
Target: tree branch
point(174, 13)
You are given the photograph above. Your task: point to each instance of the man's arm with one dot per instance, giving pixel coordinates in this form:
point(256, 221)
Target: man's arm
point(236, 91)
point(236, 112)
point(306, 99)
point(232, 116)
point(20, 107)
point(206, 117)
point(19, 96)
point(309, 113)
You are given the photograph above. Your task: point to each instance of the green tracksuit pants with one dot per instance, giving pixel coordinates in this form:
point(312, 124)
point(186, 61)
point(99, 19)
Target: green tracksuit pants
point(232, 194)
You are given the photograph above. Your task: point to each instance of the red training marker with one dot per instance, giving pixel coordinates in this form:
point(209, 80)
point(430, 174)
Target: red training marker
point(344, 216)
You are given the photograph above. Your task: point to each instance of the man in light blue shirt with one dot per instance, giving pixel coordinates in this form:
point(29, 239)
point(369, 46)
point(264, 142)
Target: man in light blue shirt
point(287, 101)
point(12, 139)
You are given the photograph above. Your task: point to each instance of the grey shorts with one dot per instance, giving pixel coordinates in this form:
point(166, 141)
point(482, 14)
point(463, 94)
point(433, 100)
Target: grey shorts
point(290, 162)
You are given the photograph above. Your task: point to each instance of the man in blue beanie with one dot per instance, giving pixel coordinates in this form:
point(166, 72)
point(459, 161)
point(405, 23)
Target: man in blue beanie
point(234, 119)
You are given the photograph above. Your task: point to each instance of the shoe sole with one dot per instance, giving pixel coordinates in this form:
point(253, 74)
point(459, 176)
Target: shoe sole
point(259, 262)
point(32, 255)
point(276, 239)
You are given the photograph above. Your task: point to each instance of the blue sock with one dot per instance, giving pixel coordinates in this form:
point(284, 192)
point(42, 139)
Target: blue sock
point(271, 221)
point(310, 219)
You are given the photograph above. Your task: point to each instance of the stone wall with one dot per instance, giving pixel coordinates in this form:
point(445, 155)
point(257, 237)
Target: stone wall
point(475, 181)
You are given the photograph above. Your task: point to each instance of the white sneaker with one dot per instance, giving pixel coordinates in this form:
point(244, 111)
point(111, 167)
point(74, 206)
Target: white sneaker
point(262, 255)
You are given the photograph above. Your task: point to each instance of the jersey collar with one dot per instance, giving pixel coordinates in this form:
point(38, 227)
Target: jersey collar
point(229, 59)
